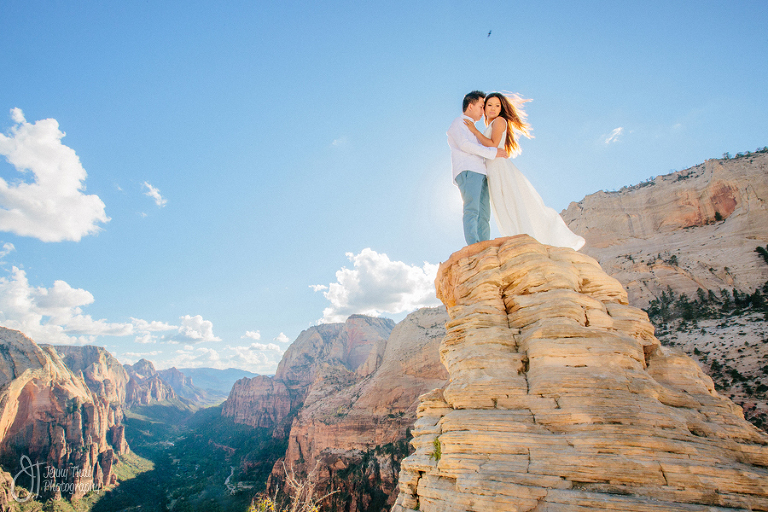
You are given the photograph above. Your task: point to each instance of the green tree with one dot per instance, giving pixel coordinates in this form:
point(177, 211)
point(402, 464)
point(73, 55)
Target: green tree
point(685, 307)
point(725, 300)
point(762, 251)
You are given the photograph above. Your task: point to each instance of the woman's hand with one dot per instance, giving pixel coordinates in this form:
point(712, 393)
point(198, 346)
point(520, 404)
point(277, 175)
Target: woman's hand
point(472, 127)
point(482, 139)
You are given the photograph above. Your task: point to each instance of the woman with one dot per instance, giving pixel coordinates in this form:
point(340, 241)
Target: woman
point(517, 206)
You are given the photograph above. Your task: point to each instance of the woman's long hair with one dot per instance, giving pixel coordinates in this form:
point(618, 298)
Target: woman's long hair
point(512, 111)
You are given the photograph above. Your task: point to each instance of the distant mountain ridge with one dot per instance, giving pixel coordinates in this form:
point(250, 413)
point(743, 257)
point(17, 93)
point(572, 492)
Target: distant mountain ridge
point(215, 380)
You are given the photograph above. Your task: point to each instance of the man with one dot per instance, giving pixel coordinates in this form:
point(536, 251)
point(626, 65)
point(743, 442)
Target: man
point(468, 164)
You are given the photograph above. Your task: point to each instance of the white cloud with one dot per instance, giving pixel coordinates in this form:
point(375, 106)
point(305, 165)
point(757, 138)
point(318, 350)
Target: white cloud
point(253, 358)
point(258, 361)
point(154, 193)
point(139, 355)
point(49, 203)
point(341, 141)
point(7, 249)
point(318, 287)
point(55, 315)
point(63, 296)
point(614, 136)
point(195, 330)
point(268, 346)
point(377, 285)
point(254, 335)
point(154, 326)
point(146, 339)
point(134, 357)
point(200, 357)
point(282, 338)
point(85, 325)
point(52, 315)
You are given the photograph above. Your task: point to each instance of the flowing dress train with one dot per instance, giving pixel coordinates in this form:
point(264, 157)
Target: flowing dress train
point(518, 208)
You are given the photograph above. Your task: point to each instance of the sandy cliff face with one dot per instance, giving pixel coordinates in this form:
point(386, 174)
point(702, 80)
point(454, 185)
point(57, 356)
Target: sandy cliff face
point(50, 415)
point(337, 349)
point(103, 373)
point(145, 384)
point(259, 402)
point(561, 398)
point(666, 232)
point(347, 414)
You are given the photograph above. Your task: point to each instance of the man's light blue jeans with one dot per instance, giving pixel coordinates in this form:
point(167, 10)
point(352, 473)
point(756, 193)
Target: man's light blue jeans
point(477, 206)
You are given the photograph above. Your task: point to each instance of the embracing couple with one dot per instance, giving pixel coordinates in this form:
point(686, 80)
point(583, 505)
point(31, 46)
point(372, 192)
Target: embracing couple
point(488, 180)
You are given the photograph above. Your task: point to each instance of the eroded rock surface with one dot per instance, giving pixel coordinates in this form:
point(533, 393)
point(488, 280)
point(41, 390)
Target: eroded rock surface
point(49, 414)
point(146, 385)
point(103, 373)
point(561, 398)
point(690, 229)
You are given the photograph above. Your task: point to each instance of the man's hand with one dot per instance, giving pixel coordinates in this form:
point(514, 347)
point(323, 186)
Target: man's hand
point(501, 153)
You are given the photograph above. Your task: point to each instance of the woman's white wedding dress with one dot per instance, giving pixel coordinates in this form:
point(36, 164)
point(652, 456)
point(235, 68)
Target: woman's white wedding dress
point(519, 209)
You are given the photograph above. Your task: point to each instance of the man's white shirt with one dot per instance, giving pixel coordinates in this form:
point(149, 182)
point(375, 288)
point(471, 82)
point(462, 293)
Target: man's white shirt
point(466, 153)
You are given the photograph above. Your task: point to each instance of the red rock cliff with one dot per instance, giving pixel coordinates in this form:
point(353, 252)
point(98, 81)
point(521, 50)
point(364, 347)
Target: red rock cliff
point(266, 401)
point(352, 426)
point(50, 415)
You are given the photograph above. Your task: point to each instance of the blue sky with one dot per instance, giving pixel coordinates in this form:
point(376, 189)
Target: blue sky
point(254, 168)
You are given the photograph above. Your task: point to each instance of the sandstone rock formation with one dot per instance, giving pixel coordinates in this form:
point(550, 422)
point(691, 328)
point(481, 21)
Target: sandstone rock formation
point(145, 384)
point(266, 401)
point(666, 232)
point(261, 401)
point(50, 415)
point(102, 372)
point(348, 417)
point(561, 398)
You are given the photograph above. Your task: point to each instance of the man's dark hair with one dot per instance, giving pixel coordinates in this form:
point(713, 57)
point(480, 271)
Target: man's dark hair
point(471, 98)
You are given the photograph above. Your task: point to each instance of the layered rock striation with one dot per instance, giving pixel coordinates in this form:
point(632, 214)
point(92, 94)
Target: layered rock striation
point(561, 398)
point(690, 229)
point(49, 414)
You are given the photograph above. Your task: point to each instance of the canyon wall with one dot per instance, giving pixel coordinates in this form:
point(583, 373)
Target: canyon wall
point(338, 349)
point(49, 414)
point(561, 398)
point(102, 372)
point(146, 385)
point(695, 228)
point(352, 429)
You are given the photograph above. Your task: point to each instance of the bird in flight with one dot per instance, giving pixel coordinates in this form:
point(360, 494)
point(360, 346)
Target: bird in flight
point(489, 33)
